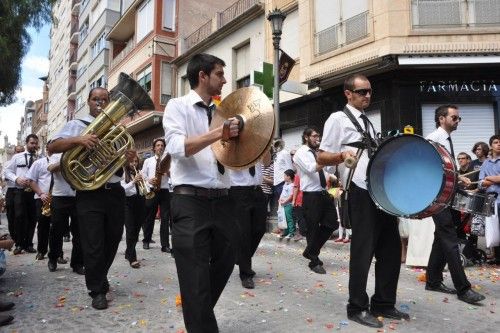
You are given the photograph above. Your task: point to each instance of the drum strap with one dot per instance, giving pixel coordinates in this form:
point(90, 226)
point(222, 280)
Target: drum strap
point(371, 142)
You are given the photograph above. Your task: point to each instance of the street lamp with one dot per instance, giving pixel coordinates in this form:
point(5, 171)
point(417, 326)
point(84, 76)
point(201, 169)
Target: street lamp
point(276, 17)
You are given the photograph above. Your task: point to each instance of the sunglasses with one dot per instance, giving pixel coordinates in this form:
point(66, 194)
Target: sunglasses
point(362, 92)
point(455, 118)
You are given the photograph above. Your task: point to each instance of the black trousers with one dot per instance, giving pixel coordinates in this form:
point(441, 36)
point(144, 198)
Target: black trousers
point(135, 210)
point(445, 251)
point(42, 229)
point(162, 199)
point(25, 218)
point(101, 215)
point(204, 238)
point(374, 233)
point(321, 220)
point(300, 219)
point(11, 216)
point(251, 214)
point(63, 209)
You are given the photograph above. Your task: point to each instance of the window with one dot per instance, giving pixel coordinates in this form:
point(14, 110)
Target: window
point(144, 78)
point(290, 36)
point(169, 15)
point(100, 82)
point(454, 13)
point(166, 83)
point(339, 23)
point(99, 45)
point(84, 30)
point(145, 19)
point(242, 66)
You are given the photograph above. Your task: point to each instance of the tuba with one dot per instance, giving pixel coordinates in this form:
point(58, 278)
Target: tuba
point(88, 169)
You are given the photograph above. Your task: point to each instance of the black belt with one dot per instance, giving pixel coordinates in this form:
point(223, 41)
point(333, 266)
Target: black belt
point(322, 192)
point(242, 188)
point(110, 186)
point(210, 193)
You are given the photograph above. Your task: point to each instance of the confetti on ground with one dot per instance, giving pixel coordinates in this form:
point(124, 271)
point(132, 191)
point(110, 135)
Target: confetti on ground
point(178, 300)
point(309, 320)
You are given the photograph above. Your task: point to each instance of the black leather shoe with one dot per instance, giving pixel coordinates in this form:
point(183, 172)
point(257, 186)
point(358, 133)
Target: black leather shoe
point(391, 314)
point(318, 269)
point(152, 241)
point(365, 318)
point(52, 265)
point(99, 302)
point(5, 319)
point(145, 246)
point(30, 249)
point(61, 260)
point(306, 255)
point(471, 297)
point(166, 249)
point(79, 270)
point(40, 256)
point(6, 306)
point(441, 288)
point(17, 250)
point(248, 283)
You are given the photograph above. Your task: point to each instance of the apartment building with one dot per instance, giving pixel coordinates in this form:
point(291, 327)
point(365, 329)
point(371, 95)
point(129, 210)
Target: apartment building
point(418, 54)
point(62, 64)
point(40, 117)
point(147, 36)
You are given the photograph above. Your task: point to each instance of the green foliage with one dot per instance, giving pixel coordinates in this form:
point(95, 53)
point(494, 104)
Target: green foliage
point(16, 16)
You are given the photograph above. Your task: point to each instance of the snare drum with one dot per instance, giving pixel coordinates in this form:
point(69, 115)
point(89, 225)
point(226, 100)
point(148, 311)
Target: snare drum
point(409, 176)
point(474, 203)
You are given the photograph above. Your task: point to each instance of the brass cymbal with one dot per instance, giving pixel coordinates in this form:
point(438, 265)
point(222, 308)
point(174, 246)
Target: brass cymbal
point(257, 133)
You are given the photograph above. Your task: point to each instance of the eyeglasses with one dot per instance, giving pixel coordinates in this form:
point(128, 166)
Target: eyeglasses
point(362, 92)
point(455, 118)
point(461, 158)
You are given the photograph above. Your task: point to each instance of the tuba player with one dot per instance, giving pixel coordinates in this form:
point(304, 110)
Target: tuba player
point(101, 211)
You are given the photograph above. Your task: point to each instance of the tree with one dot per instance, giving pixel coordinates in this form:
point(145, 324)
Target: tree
point(16, 16)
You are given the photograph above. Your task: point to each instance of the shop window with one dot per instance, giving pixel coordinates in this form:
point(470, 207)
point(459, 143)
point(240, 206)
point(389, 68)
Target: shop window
point(243, 82)
point(339, 23)
point(169, 15)
point(454, 13)
point(145, 19)
point(144, 78)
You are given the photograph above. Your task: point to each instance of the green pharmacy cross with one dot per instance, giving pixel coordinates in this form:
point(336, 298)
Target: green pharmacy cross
point(265, 79)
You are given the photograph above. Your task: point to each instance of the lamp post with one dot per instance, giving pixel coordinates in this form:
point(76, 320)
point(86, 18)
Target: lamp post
point(276, 17)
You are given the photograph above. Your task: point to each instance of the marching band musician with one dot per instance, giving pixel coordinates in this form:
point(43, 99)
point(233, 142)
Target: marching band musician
point(63, 209)
point(135, 209)
point(445, 245)
point(374, 232)
point(39, 178)
point(101, 211)
point(150, 171)
point(9, 196)
point(204, 234)
point(24, 202)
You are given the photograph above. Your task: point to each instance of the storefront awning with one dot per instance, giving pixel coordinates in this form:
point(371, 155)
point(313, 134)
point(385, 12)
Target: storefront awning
point(447, 60)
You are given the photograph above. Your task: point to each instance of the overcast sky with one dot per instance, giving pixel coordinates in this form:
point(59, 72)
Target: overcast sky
point(35, 65)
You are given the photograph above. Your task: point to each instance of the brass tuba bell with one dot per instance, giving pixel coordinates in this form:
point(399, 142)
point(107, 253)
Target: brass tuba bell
point(88, 169)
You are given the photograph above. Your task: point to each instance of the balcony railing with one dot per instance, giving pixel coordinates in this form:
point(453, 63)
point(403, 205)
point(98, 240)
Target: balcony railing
point(235, 10)
point(228, 15)
point(130, 46)
point(344, 33)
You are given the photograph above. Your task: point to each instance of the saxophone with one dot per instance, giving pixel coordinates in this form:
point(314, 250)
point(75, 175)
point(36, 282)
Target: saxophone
point(88, 169)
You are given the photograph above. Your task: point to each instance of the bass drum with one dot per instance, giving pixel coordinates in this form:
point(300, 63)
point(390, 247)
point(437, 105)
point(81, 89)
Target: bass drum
point(409, 176)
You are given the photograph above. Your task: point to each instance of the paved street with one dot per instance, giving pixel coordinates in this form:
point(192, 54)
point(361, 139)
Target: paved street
point(287, 298)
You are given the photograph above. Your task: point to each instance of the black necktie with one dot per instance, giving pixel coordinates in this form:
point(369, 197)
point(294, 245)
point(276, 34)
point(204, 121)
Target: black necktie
point(252, 170)
point(322, 178)
point(209, 110)
point(30, 161)
point(451, 147)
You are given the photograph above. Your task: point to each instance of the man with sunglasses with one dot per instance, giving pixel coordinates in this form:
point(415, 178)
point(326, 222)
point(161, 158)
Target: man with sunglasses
point(374, 232)
point(445, 246)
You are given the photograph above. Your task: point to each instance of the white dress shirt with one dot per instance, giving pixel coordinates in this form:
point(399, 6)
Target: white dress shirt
point(282, 163)
point(9, 183)
point(18, 167)
point(149, 171)
point(129, 187)
point(306, 166)
point(440, 136)
point(183, 119)
point(244, 178)
point(61, 187)
point(75, 128)
point(338, 132)
point(40, 175)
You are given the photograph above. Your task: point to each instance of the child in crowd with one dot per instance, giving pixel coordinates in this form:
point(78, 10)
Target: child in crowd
point(286, 202)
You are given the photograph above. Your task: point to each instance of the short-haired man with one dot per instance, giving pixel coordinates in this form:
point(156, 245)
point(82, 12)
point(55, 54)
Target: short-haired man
point(374, 233)
point(445, 246)
point(204, 233)
point(24, 201)
point(101, 212)
point(150, 169)
point(9, 195)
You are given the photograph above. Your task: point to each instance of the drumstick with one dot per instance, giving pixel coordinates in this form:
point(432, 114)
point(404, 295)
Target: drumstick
point(470, 173)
